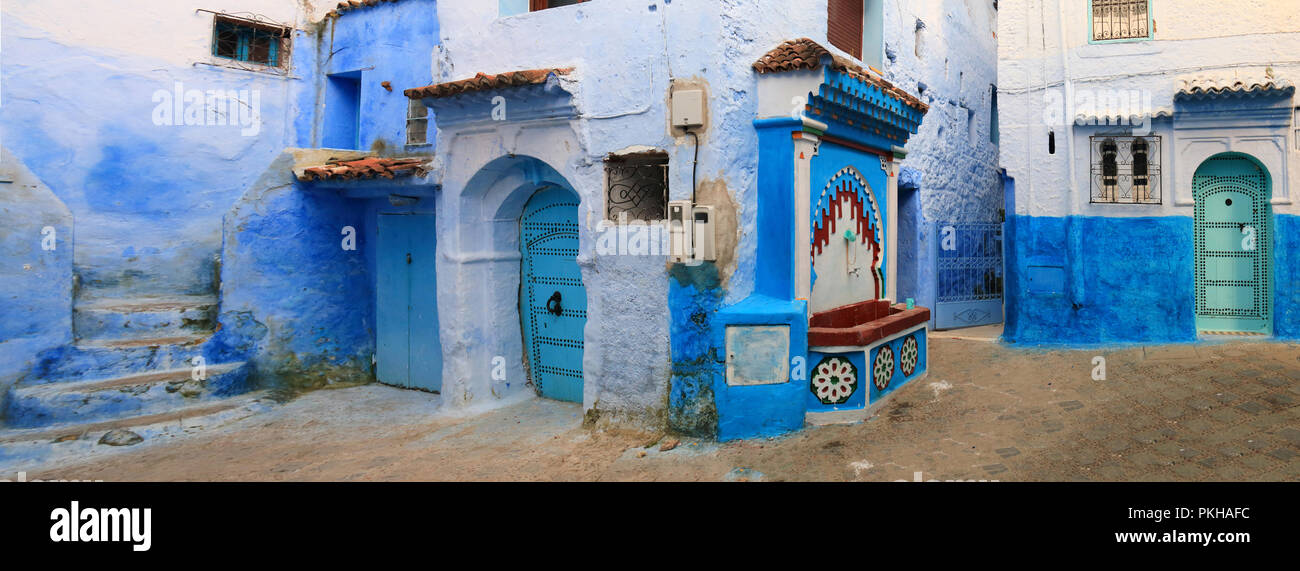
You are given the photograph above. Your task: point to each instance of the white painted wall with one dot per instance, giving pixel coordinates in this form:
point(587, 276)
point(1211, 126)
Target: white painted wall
point(172, 31)
point(958, 65)
point(1044, 54)
point(626, 53)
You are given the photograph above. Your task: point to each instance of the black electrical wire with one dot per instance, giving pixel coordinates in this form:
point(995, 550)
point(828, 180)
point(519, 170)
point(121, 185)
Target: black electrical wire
point(694, 164)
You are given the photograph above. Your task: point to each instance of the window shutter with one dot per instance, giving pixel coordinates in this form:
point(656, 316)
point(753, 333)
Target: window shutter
point(844, 25)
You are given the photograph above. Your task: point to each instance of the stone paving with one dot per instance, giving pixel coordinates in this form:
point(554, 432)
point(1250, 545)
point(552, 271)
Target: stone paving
point(1212, 411)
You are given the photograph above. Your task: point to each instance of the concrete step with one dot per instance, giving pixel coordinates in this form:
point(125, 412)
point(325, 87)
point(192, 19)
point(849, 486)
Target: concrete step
point(144, 317)
point(32, 448)
point(31, 406)
point(98, 358)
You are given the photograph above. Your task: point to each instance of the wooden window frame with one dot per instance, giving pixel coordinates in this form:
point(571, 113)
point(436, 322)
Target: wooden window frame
point(536, 5)
point(415, 117)
point(832, 23)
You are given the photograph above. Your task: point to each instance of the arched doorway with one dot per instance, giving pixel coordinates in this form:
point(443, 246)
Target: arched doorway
point(552, 298)
point(1233, 241)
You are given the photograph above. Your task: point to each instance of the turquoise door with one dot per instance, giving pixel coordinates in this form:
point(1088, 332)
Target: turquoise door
point(1233, 241)
point(552, 300)
point(408, 352)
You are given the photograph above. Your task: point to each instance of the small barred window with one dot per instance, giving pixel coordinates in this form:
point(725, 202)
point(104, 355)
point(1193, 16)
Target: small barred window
point(1125, 169)
point(1120, 20)
point(637, 186)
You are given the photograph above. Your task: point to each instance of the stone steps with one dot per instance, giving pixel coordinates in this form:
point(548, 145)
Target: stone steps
point(143, 318)
point(95, 358)
point(34, 448)
point(31, 406)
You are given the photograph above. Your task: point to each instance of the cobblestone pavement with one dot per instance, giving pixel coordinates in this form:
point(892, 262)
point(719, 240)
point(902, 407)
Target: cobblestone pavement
point(986, 412)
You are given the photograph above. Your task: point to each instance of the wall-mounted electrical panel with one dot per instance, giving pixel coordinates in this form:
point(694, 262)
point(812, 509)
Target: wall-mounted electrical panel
point(688, 108)
point(680, 223)
point(703, 235)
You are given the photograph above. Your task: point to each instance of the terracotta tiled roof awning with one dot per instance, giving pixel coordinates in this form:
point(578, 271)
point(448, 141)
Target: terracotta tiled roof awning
point(367, 168)
point(351, 5)
point(484, 82)
point(804, 53)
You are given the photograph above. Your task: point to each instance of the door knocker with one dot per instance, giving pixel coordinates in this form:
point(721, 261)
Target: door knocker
point(557, 309)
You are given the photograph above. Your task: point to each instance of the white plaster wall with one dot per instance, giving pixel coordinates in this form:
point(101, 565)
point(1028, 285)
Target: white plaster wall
point(172, 31)
point(626, 54)
point(1045, 59)
point(958, 65)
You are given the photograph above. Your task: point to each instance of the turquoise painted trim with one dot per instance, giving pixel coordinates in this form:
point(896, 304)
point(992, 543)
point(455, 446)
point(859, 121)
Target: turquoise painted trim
point(1151, 30)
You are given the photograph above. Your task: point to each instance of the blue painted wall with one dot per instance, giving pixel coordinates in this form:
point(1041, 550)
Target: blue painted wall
point(35, 282)
point(292, 296)
point(147, 198)
point(1286, 276)
point(1133, 282)
point(163, 209)
point(1137, 282)
point(389, 42)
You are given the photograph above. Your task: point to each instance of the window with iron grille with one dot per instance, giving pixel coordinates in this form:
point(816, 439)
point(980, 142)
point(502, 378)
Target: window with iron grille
point(1120, 20)
point(638, 186)
point(249, 41)
point(417, 123)
point(1125, 169)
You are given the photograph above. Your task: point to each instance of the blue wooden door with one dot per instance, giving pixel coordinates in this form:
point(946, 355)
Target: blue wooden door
point(552, 299)
point(408, 350)
point(1233, 240)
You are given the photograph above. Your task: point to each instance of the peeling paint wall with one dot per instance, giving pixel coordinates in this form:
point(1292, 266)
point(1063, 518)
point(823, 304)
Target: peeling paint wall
point(631, 55)
point(80, 110)
point(36, 233)
point(625, 64)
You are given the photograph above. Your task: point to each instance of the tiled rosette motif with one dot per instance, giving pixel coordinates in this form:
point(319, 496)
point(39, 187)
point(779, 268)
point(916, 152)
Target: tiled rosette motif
point(834, 380)
point(908, 355)
point(883, 369)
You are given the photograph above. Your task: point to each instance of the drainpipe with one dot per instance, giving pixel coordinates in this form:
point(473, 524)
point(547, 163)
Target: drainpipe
point(1073, 229)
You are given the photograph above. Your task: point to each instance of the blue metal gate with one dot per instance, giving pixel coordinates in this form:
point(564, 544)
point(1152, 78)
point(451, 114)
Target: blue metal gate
point(552, 299)
point(968, 279)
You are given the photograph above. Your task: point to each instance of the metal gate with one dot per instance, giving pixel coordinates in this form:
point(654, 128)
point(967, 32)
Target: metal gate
point(968, 277)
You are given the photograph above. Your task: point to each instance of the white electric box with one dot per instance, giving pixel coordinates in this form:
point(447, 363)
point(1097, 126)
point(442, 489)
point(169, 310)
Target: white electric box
point(702, 235)
point(688, 108)
point(679, 230)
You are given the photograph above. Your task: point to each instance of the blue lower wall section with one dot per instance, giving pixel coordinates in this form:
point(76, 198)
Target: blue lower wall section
point(1286, 277)
point(694, 296)
point(1132, 281)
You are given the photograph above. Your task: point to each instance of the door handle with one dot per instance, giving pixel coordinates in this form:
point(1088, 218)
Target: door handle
point(408, 257)
point(555, 299)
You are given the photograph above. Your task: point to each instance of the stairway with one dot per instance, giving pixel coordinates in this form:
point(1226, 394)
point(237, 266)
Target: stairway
point(134, 366)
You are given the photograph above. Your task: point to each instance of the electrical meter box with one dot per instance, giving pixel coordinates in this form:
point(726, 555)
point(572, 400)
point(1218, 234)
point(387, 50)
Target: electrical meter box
point(680, 223)
point(688, 108)
point(702, 234)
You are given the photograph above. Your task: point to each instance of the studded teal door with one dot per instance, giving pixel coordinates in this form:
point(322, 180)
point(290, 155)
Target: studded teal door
point(1233, 241)
point(408, 352)
point(552, 300)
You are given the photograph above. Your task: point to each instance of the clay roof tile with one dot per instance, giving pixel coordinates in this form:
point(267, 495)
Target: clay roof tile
point(484, 82)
